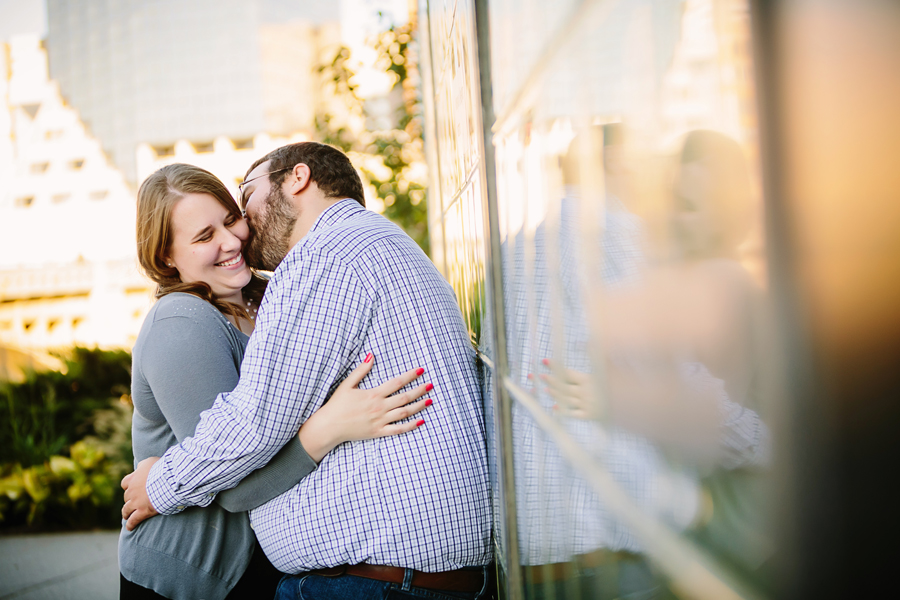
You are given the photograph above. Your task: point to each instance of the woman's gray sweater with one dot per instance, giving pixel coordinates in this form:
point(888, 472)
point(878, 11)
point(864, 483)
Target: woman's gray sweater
point(188, 353)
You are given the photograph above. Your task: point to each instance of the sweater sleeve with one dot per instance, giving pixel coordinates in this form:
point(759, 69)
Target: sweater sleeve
point(311, 322)
point(188, 361)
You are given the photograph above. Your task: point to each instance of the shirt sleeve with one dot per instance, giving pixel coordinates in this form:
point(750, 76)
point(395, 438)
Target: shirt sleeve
point(311, 322)
point(744, 439)
point(187, 362)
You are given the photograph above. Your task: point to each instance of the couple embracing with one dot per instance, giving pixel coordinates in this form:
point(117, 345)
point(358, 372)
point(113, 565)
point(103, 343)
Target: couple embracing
point(357, 485)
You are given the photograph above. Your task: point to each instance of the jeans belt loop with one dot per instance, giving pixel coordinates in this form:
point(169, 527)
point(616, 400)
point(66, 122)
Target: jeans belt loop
point(484, 573)
point(407, 579)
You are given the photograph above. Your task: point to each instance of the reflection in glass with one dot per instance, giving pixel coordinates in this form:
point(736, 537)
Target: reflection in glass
point(635, 305)
point(633, 315)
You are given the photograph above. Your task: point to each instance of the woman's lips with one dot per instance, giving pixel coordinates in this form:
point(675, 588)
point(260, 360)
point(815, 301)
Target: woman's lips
point(233, 262)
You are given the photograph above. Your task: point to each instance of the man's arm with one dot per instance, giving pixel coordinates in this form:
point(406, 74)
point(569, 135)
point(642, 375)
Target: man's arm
point(187, 363)
point(309, 327)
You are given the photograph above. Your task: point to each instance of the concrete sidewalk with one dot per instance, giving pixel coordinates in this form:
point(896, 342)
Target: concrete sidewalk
point(59, 566)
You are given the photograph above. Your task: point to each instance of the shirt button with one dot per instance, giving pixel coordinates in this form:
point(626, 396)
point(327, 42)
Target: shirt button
point(180, 507)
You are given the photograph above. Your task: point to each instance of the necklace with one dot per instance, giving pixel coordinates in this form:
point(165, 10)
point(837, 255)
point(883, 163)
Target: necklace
point(251, 311)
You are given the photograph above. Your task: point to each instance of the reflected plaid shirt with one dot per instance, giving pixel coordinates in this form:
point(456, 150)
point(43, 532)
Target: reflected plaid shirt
point(355, 284)
point(559, 514)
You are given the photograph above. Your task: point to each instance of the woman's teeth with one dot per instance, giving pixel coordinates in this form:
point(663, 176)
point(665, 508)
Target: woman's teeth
point(229, 263)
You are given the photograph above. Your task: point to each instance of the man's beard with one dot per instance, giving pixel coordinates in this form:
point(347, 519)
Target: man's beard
point(270, 237)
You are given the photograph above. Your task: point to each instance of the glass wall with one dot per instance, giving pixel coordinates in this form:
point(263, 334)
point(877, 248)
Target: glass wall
point(601, 210)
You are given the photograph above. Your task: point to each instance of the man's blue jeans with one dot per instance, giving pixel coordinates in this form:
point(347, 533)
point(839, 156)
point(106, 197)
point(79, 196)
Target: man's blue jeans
point(309, 586)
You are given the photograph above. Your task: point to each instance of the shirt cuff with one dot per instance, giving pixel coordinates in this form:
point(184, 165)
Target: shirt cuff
point(160, 492)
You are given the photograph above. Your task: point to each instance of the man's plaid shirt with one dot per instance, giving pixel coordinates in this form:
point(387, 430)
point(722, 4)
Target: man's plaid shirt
point(355, 284)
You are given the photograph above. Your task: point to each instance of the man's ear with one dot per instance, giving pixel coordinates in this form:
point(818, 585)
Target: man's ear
point(299, 179)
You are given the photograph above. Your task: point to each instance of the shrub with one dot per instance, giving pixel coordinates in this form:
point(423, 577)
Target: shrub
point(66, 443)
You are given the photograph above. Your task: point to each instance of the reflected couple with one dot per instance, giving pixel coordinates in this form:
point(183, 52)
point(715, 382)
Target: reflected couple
point(646, 359)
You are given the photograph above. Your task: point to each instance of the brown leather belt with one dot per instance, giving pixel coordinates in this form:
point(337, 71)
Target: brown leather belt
point(540, 574)
point(462, 580)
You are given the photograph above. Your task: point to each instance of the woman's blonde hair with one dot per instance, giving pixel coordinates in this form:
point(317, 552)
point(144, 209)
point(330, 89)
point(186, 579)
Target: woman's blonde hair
point(157, 196)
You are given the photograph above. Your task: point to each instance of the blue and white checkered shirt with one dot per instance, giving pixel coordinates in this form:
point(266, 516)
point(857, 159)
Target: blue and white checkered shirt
point(355, 284)
point(559, 513)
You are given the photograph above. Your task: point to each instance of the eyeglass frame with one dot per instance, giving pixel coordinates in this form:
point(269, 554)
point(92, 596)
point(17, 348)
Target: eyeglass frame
point(240, 194)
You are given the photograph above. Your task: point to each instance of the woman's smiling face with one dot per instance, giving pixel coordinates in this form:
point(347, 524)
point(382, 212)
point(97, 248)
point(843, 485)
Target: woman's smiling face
point(206, 246)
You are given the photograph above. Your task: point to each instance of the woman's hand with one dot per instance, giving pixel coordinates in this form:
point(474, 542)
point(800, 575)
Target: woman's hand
point(572, 391)
point(354, 414)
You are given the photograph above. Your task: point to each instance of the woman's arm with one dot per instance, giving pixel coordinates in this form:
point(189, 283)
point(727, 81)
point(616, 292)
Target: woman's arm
point(284, 471)
point(350, 414)
point(354, 414)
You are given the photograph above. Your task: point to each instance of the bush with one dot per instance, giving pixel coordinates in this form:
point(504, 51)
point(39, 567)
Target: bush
point(66, 443)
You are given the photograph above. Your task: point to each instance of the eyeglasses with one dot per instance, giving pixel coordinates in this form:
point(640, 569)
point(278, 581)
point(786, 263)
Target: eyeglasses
point(240, 192)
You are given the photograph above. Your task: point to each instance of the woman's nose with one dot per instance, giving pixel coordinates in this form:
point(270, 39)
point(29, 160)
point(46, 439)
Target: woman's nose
point(230, 241)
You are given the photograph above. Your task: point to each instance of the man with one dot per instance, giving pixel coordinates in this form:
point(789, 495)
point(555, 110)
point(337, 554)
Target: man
point(405, 512)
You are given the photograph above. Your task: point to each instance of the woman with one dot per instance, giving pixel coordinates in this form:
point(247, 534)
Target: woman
point(190, 237)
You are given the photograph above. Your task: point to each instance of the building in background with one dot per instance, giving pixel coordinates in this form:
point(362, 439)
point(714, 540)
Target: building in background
point(132, 86)
point(68, 273)
point(226, 158)
point(160, 72)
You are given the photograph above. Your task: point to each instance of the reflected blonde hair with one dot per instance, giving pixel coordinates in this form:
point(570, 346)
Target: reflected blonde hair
point(157, 196)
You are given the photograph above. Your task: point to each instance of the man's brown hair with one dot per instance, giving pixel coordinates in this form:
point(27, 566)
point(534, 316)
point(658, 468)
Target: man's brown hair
point(328, 167)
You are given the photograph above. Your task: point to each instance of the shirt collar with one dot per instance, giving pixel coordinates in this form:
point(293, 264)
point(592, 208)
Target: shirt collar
point(337, 212)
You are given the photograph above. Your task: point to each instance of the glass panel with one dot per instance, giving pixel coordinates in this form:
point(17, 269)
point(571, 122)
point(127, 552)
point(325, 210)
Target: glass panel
point(457, 211)
point(639, 359)
point(636, 296)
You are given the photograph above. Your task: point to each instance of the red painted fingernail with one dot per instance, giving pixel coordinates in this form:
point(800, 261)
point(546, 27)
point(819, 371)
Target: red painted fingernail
point(368, 357)
point(419, 371)
point(428, 402)
point(546, 361)
point(429, 387)
point(420, 422)
point(530, 376)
